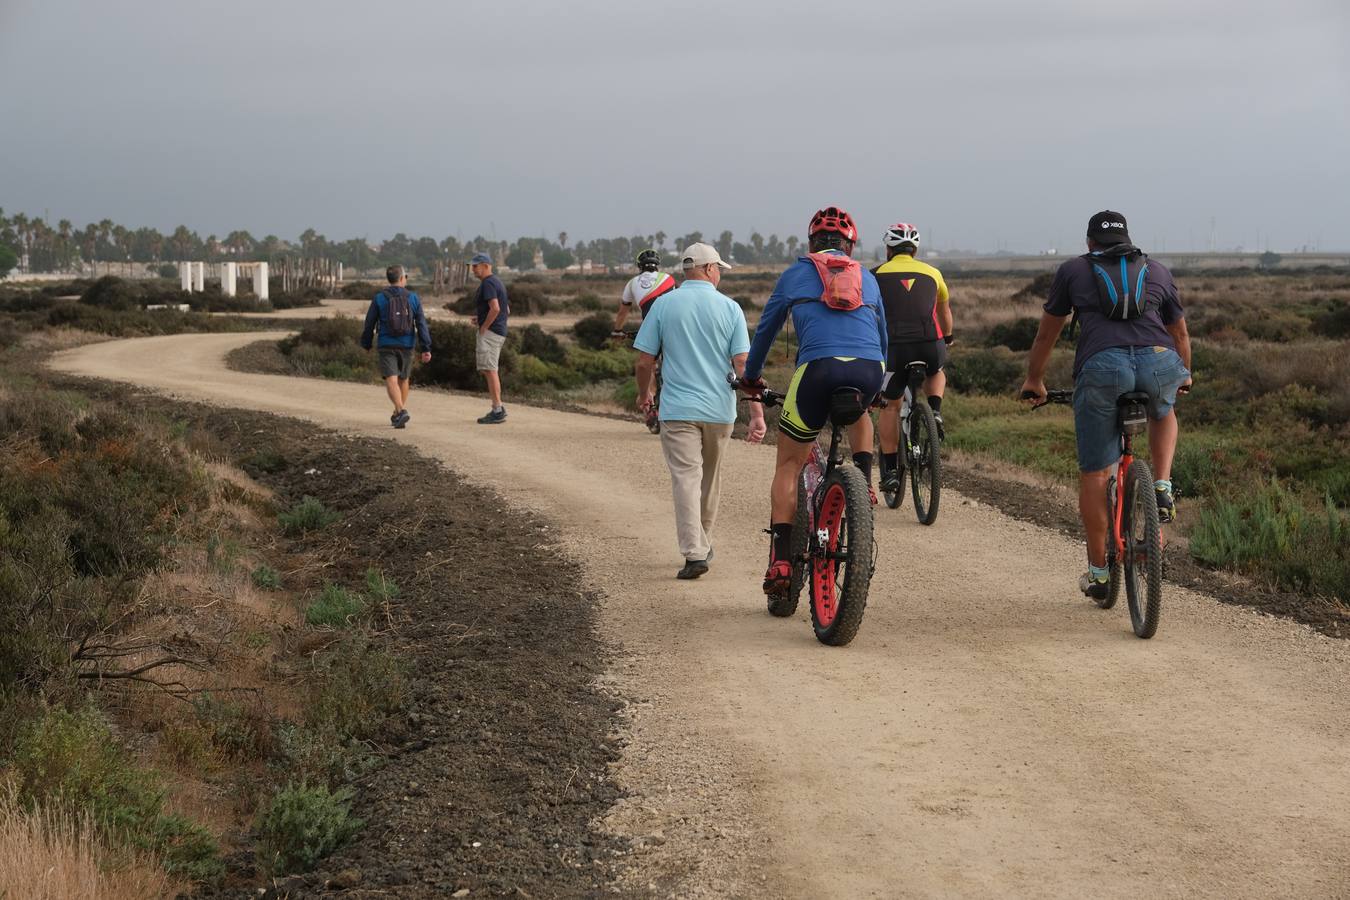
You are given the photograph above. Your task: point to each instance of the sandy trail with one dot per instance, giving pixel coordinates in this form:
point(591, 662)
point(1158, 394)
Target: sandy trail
point(988, 733)
point(434, 308)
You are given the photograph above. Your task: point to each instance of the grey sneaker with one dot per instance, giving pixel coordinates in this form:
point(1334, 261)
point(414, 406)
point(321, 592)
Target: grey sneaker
point(692, 569)
point(1167, 505)
point(1091, 587)
point(494, 417)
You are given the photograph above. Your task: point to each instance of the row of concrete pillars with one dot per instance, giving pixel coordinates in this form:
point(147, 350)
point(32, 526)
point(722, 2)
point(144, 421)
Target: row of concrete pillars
point(193, 276)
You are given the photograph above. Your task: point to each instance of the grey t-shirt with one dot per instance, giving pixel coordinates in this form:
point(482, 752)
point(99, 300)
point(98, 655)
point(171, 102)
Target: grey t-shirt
point(1075, 288)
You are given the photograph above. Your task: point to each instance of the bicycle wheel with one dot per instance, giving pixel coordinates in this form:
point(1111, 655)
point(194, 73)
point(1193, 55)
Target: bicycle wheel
point(785, 604)
point(841, 569)
point(1143, 550)
point(925, 467)
point(896, 497)
point(1113, 561)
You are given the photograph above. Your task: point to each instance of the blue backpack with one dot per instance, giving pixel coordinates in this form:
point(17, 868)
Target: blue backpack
point(1119, 273)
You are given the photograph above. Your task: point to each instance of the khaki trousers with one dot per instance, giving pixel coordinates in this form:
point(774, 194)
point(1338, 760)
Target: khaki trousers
point(694, 454)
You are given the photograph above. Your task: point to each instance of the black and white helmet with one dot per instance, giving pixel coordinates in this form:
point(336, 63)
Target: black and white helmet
point(649, 260)
point(902, 233)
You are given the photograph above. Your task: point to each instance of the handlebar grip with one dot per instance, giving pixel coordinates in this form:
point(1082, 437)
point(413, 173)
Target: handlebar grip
point(1029, 395)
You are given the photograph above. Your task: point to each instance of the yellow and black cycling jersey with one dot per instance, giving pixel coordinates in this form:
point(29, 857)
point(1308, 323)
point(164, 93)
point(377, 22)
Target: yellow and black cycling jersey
point(910, 293)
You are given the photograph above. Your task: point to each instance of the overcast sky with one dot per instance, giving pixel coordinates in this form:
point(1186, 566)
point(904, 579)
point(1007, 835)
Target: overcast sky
point(990, 124)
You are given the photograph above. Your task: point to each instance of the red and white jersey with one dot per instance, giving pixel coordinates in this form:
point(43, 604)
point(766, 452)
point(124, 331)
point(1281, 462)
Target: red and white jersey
point(645, 287)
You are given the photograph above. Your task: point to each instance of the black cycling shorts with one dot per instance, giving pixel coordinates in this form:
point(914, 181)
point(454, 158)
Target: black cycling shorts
point(807, 404)
point(898, 355)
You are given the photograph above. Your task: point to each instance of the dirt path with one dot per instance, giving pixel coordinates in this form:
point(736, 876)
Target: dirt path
point(435, 310)
point(988, 733)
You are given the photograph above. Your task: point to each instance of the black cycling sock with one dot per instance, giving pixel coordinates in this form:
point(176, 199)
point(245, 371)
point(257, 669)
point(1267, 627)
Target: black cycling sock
point(890, 461)
point(782, 540)
point(935, 403)
point(864, 462)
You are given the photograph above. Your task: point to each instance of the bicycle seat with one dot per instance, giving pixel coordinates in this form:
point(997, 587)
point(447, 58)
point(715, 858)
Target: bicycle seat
point(917, 366)
point(1133, 407)
point(846, 406)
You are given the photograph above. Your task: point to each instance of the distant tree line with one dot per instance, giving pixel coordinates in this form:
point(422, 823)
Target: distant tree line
point(66, 247)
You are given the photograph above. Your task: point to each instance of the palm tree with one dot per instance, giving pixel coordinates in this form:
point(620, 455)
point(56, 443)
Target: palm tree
point(562, 239)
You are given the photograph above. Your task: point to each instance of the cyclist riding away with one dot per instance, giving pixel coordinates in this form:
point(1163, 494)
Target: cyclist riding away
point(919, 327)
point(1133, 338)
point(643, 288)
point(835, 306)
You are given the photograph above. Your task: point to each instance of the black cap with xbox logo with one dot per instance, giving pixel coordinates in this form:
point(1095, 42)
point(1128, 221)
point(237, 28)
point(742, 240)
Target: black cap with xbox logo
point(1108, 227)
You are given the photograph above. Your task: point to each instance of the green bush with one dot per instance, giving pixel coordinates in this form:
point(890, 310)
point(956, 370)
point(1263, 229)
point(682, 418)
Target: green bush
point(328, 333)
point(538, 342)
point(1304, 545)
point(335, 607)
point(593, 331)
point(266, 578)
point(236, 731)
point(321, 756)
point(303, 824)
point(992, 371)
point(526, 298)
point(359, 290)
point(453, 359)
point(588, 301)
point(531, 370)
point(601, 365)
point(1334, 323)
point(308, 515)
point(353, 687)
point(1015, 335)
point(74, 759)
point(111, 292)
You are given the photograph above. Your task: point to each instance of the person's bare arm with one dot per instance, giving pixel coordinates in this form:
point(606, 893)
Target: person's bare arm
point(757, 427)
point(494, 309)
point(1181, 336)
point(1046, 335)
point(944, 314)
point(622, 316)
point(646, 376)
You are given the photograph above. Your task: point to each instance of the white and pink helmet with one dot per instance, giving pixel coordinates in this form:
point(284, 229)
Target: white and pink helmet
point(902, 233)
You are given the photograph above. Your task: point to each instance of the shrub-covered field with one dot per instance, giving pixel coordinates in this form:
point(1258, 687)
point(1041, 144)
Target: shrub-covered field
point(175, 684)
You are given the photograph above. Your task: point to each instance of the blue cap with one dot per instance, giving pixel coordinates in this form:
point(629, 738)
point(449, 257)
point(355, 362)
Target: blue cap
point(480, 258)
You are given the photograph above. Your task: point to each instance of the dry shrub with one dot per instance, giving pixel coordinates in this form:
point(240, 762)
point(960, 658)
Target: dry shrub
point(49, 854)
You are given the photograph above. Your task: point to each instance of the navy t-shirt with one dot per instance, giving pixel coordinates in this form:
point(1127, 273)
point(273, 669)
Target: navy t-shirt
point(489, 288)
point(1075, 288)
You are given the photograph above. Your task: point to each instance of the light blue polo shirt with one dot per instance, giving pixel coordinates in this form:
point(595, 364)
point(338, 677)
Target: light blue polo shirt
point(696, 330)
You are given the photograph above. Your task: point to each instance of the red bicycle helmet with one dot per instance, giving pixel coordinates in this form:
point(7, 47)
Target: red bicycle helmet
point(832, 218)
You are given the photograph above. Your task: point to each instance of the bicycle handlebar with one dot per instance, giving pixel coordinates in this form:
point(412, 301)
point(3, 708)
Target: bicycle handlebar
point(1050, 397)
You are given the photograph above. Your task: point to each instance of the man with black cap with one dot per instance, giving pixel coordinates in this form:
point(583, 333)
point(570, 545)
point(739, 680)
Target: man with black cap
point(1133, 338)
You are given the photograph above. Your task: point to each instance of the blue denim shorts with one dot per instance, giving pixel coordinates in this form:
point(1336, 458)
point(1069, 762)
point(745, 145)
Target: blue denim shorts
point(1106, 375)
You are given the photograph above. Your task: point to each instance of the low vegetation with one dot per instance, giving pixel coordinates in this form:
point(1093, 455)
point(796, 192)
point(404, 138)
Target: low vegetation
point(132, 677)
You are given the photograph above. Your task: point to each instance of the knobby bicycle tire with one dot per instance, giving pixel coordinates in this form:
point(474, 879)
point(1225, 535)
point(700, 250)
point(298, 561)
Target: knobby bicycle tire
point(1143, 550)
point(852, 522)
point(926, 470)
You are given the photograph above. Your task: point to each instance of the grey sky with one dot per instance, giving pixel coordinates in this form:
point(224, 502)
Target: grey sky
point(988, 123)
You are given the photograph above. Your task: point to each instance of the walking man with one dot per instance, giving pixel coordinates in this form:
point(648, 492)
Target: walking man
point(701, 337)
point(397, 313)
point(490, 318)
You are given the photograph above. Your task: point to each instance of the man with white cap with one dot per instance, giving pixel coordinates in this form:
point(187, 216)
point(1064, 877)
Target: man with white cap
point(701, 335)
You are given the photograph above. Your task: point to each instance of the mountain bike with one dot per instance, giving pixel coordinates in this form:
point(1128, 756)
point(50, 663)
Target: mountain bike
point(652, 417)
point(920, 449)
point(1134, 545)
point(832, 547)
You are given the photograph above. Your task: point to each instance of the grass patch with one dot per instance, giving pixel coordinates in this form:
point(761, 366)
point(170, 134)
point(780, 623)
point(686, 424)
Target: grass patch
point(1303, 544)
point(308, 515)
point(335, 607)
point(73, 758)
point(266, 578)
point(353, 687)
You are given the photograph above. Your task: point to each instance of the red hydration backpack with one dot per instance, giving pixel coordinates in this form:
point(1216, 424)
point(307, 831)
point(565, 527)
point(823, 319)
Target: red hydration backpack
point(842, 277)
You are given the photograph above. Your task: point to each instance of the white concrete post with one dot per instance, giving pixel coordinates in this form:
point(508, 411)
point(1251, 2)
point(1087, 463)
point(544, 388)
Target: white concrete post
point(260, 281)
point(199, 276)
point(228, 278)
point(185, 275)
point(339, 273)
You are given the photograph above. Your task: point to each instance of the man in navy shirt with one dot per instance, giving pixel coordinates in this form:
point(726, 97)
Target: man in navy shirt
point(1150, 352)
point(490, 317)
point(398, 339)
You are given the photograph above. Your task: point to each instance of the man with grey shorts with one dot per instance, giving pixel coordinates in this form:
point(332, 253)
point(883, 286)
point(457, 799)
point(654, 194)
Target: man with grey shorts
point(397, 313)
point(492, 307)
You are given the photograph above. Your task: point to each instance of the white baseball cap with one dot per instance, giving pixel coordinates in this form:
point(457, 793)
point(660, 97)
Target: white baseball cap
point(701, 255)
